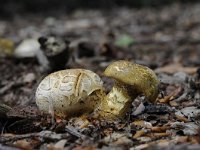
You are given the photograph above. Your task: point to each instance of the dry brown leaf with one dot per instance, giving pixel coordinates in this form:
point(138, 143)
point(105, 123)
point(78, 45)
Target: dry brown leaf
point(124, 140)
point(173, 68)
point(167, 98)
point(161, 143)
point(171, 96)
point(139, 134)
point(186, 139)
point(193, 140)
point(142, 123)
point(23, 144)
point(160, 129)
point(140, 147)
point(181, 139)
point(81, 122)
point(198, 135)
point(84, 148)
point(173, 103)
point(158, 135)
point(181, 118)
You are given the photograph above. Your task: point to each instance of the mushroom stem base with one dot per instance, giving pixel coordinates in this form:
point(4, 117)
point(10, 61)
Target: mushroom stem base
point(116, 103)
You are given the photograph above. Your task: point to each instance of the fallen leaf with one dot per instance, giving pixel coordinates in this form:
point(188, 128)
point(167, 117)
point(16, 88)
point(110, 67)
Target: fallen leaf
point(160, 129)
point(124, 41)
point(60, 144)
point(182, 118)
point(84, 148)
point(118, 139)
point(158, 135)
point(139, 134)
point(173, 68)
point(189, 128)
point(190, 112)
point(171, 96)
point(23, 144)
point(173, 103)
point(142, 123)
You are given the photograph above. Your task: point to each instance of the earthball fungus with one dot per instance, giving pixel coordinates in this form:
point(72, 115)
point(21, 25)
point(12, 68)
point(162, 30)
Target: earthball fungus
point(69, 92)
point(76, 91)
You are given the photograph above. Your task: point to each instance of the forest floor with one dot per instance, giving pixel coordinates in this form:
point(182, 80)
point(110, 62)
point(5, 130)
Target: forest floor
point(166, 39)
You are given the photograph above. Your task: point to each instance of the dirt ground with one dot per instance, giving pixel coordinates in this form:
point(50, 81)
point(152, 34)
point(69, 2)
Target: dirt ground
point(166, 39)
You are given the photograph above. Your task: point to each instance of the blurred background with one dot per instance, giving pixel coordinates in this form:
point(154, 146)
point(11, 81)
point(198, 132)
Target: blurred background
point(164, 35)
point(10, 7)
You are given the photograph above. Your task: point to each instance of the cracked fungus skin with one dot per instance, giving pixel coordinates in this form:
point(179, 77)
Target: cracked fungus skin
point(69, 92)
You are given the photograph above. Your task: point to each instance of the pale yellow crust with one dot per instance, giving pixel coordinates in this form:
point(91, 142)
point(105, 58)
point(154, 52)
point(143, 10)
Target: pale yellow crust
point(67, 92)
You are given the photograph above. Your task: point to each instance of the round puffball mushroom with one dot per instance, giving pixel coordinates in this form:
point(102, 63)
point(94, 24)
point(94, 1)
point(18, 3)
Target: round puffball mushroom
point(131, 80)
point(69, 92)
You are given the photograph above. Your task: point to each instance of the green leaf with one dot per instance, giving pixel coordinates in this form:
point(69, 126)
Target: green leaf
point(124, 41)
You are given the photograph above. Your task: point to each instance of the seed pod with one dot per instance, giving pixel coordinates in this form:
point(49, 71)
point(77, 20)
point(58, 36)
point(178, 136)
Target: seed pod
point(69, 92)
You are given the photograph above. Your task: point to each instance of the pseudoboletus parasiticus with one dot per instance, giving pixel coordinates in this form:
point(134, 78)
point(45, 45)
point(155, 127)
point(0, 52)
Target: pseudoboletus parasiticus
point(76, 91)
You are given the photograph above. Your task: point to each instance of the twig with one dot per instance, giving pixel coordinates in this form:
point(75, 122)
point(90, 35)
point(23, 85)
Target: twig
point(71, 130)
point(10, 85)
point(6, 88)
point(44, 134)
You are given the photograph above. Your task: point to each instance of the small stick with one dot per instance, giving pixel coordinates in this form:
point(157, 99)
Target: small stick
point(71, 130)
point(6, 88)
point(44, 134)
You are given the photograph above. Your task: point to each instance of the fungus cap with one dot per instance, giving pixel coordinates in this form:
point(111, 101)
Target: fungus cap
point(141, 78)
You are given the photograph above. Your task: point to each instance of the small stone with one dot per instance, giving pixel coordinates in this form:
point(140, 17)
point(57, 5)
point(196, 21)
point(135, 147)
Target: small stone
point(180, 76)
point(27, 48)
point(28, 78)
